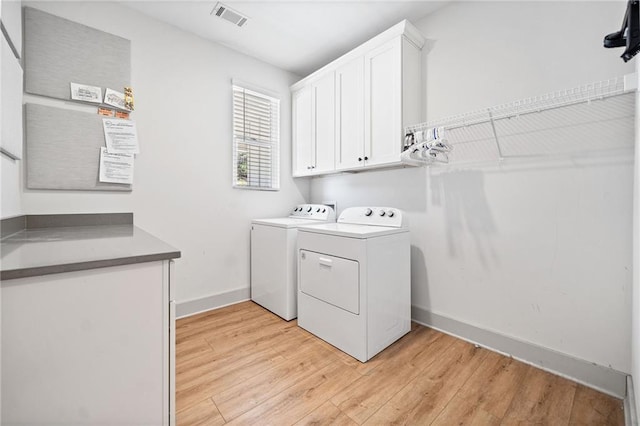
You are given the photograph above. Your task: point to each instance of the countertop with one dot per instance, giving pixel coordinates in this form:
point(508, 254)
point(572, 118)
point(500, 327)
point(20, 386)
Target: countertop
point(55, 249)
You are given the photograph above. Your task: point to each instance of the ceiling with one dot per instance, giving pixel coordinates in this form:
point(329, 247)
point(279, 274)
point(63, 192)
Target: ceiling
point(297, 36)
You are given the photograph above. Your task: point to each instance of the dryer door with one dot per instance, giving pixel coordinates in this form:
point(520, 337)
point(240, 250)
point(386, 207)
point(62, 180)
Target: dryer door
point(331, 279)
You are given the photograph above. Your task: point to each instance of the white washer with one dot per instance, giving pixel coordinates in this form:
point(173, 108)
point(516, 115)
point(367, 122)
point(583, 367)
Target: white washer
point(273, 257)
point(354, 280)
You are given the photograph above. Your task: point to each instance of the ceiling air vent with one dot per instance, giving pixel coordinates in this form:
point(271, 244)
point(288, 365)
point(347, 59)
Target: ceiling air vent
point(225, 12)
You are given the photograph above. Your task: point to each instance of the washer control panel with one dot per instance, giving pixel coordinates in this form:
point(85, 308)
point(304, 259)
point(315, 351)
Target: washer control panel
point(314, 211)
point(375, 216)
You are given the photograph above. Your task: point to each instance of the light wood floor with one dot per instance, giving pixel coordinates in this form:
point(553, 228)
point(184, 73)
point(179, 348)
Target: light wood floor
point(244, 365)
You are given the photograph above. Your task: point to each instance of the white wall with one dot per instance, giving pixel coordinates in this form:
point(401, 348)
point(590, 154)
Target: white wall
point(538, 251)
point(182, 185)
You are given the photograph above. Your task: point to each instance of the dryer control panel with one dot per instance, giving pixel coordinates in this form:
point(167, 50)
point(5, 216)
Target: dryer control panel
point(374, 216)
point(314, 211)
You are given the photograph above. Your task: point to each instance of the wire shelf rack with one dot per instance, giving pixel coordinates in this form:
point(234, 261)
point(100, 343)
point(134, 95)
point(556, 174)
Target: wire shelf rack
point(567, 120)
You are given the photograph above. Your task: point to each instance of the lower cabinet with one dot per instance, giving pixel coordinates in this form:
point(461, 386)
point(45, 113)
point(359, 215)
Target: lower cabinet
point(90, 347)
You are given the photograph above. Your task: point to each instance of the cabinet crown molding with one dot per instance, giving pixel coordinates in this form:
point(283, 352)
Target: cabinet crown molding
point(402, 28)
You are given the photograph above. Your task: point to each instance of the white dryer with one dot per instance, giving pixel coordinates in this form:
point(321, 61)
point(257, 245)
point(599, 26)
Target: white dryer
point(273, 257)
point(354, 280)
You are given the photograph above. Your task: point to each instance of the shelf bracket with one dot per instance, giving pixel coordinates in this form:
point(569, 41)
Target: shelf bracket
point(9, 154)
point(495, 134)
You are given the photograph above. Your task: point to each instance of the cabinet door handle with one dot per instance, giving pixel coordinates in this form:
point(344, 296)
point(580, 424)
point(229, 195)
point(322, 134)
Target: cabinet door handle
point(359, 158)
point(366, 158)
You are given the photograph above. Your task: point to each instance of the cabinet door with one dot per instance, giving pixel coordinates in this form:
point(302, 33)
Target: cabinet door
point(324, 98)
point(12, 21)
point(10, 101)
point(350, 115)
point(78, 345)
point(303, 153)
point(383, 103)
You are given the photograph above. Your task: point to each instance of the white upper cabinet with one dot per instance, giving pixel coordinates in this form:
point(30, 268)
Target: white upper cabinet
point(303, 150)
point(324, 98)
point(314, 127)
point(360, 105)
point(350, 115)
point(383, 104)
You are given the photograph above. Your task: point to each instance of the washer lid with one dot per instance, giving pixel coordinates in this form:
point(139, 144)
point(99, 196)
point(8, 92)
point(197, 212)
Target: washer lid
point(285, 222)
point(351, 230)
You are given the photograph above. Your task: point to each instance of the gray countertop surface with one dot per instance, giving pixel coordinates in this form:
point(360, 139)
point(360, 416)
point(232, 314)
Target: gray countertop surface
point(43, 251)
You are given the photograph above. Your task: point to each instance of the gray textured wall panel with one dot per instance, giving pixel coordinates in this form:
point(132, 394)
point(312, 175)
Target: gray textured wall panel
point(63, 149)
point(59, 52)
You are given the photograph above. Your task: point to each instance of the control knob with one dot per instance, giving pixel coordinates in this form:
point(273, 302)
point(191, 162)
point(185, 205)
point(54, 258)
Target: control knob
point(382, 213)
point(368, 212)
point(310, 208)
point(390, 213)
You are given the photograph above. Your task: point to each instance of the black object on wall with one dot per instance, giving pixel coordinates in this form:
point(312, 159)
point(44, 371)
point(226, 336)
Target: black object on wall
point(629, 34)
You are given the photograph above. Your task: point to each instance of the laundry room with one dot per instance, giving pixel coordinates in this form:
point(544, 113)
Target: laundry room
point(327, 212)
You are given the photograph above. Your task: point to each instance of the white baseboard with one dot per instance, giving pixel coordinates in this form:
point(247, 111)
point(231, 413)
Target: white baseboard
point(214, 301)
point(602, 378)
point(630, 413)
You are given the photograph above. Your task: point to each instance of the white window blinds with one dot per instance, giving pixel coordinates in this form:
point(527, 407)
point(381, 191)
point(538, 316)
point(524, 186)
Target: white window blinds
point(256, 140)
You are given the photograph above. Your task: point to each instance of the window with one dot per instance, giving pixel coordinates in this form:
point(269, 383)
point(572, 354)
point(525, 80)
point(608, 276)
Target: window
point(256, 140)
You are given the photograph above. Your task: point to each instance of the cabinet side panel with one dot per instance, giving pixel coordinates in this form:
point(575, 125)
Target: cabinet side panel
point(11, 102)
point(12, 22)
point(411, 84)
point(169, 343)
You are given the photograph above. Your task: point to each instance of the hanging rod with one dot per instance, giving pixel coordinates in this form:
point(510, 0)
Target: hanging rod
point(562, 98)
